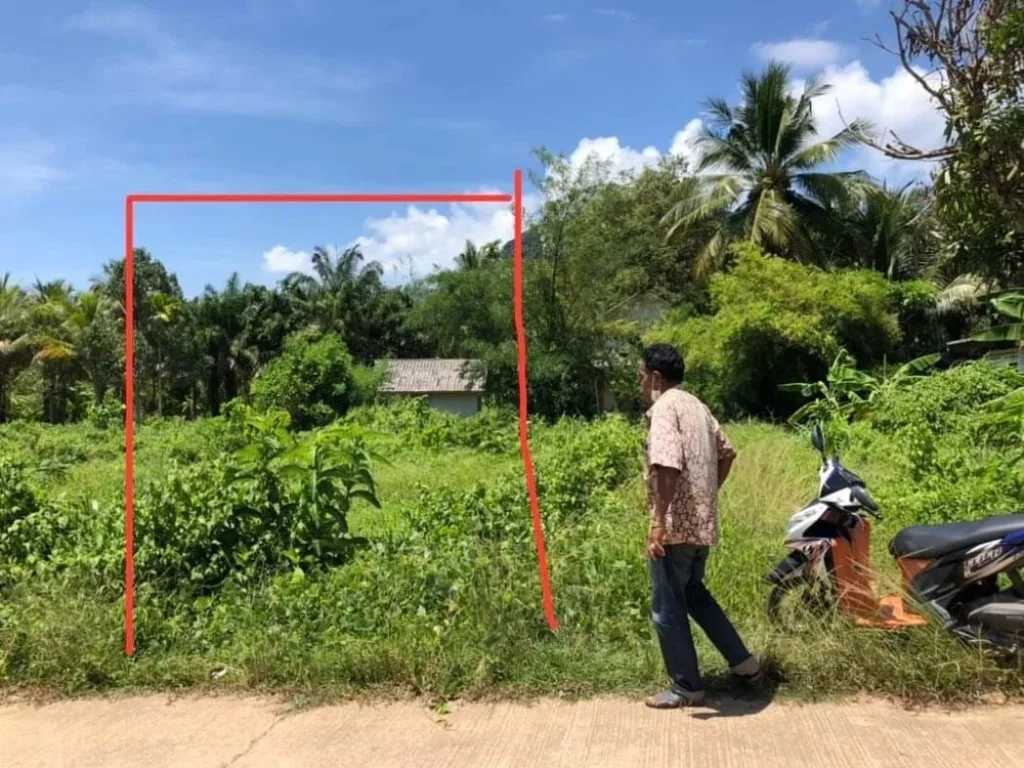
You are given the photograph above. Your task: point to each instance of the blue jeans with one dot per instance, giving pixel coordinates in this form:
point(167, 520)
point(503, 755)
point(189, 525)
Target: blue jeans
point(678, 593)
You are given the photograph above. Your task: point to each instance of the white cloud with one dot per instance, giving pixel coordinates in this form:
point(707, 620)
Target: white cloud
point(280, 259)
point(608, 150)
point(426, 238)
point(611, 153)
point(894, 103)
point(804, 53)
point(200, 74)
point(869, 5)
point(615, 13)
point(28, 168)
point(555, 18)
point(683, 142)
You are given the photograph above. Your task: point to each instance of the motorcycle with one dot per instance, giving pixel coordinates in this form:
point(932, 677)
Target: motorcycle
point(968, 576)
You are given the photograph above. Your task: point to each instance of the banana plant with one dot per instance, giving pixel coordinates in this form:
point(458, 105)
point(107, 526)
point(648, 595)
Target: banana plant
point(849, 394)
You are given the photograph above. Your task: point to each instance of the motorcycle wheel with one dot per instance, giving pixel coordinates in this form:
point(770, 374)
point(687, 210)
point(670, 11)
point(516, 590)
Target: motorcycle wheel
point(803, 603)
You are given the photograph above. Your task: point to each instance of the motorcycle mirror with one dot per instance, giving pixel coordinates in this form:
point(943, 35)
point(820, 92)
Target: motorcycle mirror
point(818, 439)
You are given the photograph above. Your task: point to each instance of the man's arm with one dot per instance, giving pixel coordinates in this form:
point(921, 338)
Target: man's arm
point(666, 463)
point(726, 455)
point(665, 481)
point(724, 468)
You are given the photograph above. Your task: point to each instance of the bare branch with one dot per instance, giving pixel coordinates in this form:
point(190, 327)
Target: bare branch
point(897, 149)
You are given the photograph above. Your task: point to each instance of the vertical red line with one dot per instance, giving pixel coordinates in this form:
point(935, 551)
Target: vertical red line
point(129, 428)
point(524, 428)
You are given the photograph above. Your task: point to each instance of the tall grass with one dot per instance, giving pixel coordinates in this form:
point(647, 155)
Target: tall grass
point(446, 598)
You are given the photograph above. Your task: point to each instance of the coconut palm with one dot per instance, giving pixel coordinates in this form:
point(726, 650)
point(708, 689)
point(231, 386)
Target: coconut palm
point(53, 303)
point(15, 340)
point(891, 232)
point(759, 174)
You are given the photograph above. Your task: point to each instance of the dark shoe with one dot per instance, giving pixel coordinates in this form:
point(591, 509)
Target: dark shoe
point(673, 699)
point(749, 671)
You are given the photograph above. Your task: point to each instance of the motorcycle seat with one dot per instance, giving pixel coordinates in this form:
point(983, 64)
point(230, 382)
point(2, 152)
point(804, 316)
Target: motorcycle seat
point(930, 541)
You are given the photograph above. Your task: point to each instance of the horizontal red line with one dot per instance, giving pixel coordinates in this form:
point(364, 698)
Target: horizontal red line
point(321, 198)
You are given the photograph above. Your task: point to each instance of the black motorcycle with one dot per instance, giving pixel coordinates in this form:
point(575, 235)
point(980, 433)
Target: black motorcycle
point(966, 575)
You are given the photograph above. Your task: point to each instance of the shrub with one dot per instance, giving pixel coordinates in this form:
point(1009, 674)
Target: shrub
point(280, 501)
point(413, 423)
point(776, 321)
point(943, 400)
point(312, 380)
point(366, 383)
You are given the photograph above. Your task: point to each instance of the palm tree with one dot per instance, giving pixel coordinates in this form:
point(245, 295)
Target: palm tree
point(55, 352)
point(95, 335)
point(345, 296)
point(163, 311)
point(230, 358)
point(890, 232)
point(15, 341)
point(473, 257)
point(759, 176)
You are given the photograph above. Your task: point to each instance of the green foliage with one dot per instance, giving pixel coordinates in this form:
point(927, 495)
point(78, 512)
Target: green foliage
point(945, 401)
point(312, 380)
point(413, 423)
point(847, 393)
point(280, 501)
point(444, 597)
point(775, 321)
point(367, 381)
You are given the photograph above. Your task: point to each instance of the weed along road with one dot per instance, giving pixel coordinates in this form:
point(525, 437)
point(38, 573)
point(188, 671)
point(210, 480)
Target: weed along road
point(157, 731)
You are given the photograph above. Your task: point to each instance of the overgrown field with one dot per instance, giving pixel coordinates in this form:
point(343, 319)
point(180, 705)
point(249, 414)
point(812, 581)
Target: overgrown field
point(263, 563)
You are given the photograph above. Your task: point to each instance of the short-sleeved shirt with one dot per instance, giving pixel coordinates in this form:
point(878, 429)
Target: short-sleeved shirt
point(683, 435)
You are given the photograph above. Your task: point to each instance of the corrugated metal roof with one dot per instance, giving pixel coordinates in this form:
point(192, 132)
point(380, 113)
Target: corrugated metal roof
point(422, 377)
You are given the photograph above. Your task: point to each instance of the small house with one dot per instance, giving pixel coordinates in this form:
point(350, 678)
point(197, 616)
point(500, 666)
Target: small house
point(1008, 354)
point(455, 386)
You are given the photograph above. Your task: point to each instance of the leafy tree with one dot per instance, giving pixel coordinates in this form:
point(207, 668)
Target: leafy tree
point(974, 50)
point(760, 174)
point(775, 321)
point(312, 380)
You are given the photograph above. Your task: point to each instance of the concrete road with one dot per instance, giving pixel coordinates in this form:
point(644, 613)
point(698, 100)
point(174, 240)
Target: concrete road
point(156, 731)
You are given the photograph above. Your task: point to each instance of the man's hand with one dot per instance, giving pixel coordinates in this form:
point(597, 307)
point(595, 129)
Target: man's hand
point(656, 542)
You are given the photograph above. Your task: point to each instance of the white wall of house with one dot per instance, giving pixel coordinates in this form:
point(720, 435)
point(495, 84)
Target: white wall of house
point(460, 405)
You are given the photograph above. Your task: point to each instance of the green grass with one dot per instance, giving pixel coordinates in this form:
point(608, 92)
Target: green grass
point(448, 612)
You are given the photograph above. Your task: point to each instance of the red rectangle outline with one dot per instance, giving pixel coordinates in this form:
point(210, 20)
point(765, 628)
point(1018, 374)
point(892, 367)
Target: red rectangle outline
point(129, 342)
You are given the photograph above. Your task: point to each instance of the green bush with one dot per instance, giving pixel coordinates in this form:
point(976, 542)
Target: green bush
point(312, 380)
point(776, 321)
point(946, 399)
point(281, 501)
point(412, 422)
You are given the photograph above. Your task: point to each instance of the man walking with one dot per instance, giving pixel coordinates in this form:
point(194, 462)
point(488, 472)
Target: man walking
point(687, 458)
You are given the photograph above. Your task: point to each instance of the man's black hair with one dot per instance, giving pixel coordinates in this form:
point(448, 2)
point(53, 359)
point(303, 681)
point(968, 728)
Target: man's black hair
point(666, 360)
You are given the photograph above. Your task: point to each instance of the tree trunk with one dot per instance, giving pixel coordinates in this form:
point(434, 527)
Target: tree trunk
point(157, 388)
point(213, 391)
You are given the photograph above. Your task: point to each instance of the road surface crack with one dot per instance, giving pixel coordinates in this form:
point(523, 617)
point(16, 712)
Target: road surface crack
point(256, 740)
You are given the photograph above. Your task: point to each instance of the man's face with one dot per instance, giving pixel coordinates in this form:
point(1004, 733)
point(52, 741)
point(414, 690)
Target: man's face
point(649, 383)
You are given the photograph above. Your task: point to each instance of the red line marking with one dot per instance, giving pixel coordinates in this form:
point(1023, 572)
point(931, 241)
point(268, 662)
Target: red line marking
point(129, 366)
point(129, 429)
point(321, 198)
point(524, 427)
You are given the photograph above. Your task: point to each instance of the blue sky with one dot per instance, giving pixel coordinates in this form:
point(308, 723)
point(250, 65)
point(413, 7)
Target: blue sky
point(103, 99)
